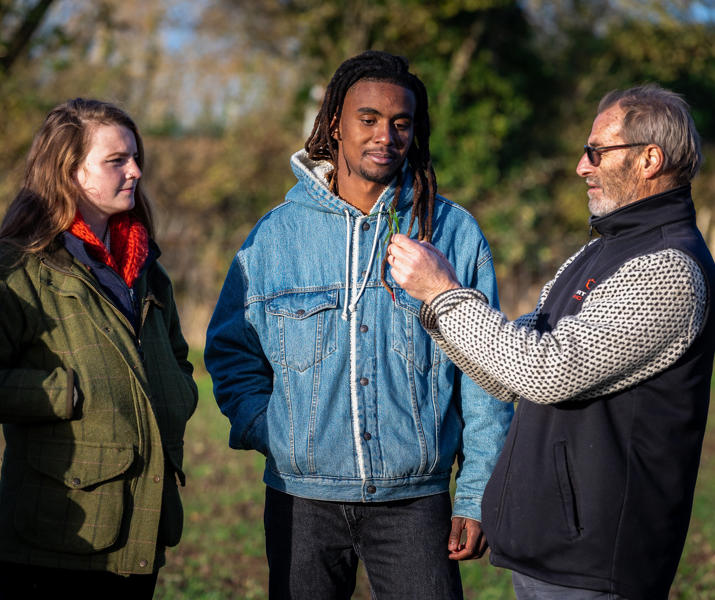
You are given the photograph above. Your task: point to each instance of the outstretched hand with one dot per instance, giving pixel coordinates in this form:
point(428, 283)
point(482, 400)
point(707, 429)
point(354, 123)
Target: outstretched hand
point(419, 268)
point(475, 543)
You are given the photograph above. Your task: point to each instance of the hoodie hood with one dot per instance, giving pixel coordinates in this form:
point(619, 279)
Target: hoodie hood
point(312, 188)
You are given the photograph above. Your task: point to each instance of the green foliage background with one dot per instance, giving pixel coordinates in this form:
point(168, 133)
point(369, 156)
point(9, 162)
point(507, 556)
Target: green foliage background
point(225, 90)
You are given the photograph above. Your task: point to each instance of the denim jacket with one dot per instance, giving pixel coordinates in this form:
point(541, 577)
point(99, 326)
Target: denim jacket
point(337, 384)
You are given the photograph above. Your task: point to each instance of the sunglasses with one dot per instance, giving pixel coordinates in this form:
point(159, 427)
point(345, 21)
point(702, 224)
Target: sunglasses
point(593, 153)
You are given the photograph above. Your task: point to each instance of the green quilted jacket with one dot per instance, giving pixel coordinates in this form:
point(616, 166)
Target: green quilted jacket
point(89, 478)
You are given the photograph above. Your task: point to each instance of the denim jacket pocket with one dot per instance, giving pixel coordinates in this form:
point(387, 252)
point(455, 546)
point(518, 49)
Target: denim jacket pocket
point(302, 327)
point(409, 339)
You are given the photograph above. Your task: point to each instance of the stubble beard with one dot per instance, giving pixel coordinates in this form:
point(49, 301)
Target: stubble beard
point(617, 190)
point(383, 178)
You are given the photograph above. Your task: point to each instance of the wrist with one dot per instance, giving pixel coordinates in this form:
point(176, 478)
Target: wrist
point(452, 285)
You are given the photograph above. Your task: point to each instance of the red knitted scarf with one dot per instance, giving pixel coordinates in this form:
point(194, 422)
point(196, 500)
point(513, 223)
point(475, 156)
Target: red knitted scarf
point(129, 243)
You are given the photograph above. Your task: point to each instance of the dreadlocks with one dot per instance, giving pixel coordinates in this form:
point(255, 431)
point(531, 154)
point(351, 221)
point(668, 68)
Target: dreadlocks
point(380, 66)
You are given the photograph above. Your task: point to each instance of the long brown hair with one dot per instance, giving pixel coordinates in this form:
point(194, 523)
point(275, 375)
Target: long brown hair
point(47, 203)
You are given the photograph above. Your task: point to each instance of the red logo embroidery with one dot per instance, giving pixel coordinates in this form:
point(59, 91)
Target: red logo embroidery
point(580, 294)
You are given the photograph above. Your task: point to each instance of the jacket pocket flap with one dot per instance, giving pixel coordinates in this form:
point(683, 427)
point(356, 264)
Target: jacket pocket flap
point(301, 305)
point(407, 302)
point(79, 464)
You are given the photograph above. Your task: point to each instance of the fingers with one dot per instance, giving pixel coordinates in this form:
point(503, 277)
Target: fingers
point(459, 550)
point(402, 245)
point(404, 254)
point(399, 245)
point(418, 269)
point(401, 239)
point(405, 250)
point(475, 544)
point(455, 535)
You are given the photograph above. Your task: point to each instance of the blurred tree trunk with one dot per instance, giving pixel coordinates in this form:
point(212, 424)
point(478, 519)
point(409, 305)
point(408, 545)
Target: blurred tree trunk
point(15, 41)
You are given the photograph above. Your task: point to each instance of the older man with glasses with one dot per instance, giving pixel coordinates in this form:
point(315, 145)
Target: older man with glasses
point(592, 494)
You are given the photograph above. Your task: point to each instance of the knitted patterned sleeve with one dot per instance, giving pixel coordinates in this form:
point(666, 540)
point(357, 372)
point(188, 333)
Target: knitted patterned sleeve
point(635, 324)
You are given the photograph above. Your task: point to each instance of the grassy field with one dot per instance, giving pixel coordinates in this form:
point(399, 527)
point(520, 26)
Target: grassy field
point(221, 555)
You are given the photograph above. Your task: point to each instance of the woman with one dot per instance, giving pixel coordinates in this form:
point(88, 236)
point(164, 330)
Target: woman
point(95, 386)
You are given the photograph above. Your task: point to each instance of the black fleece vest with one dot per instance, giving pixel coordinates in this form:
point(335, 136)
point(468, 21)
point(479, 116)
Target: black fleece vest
point(598, 494)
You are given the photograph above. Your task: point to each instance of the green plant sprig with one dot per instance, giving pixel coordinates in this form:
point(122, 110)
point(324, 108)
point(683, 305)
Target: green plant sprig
point(393, 227)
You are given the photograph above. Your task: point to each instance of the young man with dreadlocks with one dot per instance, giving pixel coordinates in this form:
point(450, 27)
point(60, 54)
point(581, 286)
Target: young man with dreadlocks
point(330, 375)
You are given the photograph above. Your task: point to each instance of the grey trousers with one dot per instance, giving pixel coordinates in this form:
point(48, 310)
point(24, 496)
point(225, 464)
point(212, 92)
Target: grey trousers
point(528, 588)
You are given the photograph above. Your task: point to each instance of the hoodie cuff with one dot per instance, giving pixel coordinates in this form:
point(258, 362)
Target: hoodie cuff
point(469, 508)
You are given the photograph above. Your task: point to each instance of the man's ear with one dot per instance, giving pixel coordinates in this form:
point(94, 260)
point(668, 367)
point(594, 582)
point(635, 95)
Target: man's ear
point(334, 128)
point(652, 161)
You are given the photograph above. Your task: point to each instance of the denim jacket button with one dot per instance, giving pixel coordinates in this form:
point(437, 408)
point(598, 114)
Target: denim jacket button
point(364, 381)
point(371, 489)
point(367, 435)
point(365, 226)
point(363, 328)
point(300, 312)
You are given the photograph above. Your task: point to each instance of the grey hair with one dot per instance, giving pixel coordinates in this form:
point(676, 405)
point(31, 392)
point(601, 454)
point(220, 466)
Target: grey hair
point(658, 116)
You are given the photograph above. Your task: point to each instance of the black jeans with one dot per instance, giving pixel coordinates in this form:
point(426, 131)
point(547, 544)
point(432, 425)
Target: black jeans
point(313, 548)
point(28, 582)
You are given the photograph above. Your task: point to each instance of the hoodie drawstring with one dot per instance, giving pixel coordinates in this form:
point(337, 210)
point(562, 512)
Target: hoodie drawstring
point(375, 239)
point(348, 232)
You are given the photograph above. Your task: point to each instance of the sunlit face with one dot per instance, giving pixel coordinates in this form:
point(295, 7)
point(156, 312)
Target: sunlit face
point(375, 131)
point(614, 182)
point(108, 175)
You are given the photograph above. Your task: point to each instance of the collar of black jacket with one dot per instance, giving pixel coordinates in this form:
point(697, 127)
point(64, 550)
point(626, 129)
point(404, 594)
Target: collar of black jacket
point(647, 213)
